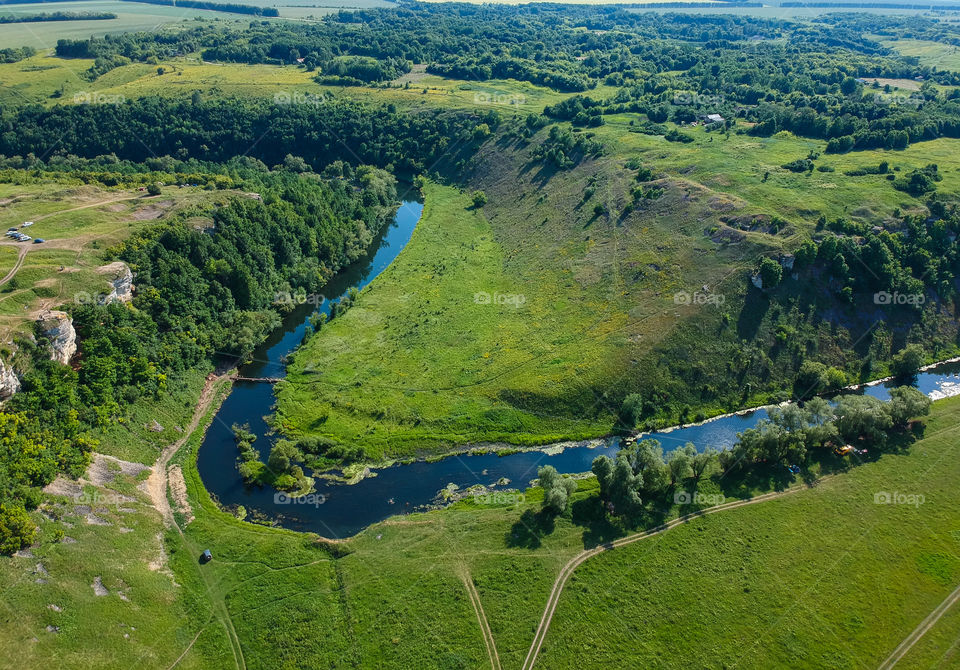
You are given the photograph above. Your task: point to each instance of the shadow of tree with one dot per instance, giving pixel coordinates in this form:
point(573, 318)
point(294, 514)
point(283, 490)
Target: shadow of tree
point(530, 529)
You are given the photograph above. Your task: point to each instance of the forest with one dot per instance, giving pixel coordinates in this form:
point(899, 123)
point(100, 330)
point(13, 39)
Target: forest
point(201, 297)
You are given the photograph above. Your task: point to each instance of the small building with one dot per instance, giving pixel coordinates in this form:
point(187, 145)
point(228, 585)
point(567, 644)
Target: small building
point(713, 118)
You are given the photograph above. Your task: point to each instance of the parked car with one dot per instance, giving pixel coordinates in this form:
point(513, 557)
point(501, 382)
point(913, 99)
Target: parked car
point(39, 240)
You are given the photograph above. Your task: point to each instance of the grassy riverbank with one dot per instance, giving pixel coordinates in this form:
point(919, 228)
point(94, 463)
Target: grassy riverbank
point(419, 361)
point(395, 591)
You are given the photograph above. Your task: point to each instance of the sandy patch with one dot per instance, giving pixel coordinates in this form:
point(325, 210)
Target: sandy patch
point(61, 486)
point(103, 470)
point(178, 489)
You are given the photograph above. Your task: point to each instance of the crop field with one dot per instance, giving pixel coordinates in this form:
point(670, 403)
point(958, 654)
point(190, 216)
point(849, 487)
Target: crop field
point(131, 17)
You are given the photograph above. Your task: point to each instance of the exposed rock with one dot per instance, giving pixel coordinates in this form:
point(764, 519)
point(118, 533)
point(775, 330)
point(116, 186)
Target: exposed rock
point(58, 327)
point(155, 427)
point(786, 261)
point(121, 282)
point(757, 281)
point(9, 382)
point(98, 588)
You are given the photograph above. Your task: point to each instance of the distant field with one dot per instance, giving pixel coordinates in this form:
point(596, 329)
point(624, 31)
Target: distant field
point(131, 17)
point(933, 54)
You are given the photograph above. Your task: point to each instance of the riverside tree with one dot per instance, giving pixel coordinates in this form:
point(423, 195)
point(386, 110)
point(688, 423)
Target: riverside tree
point(556, 490)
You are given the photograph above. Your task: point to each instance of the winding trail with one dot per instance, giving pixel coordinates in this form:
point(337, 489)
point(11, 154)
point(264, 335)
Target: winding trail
point(920, 630)
point(482, 618)
point(554, 598)
point(156, 488)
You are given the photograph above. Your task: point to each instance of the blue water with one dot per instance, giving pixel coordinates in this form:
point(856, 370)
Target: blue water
point(339, 510)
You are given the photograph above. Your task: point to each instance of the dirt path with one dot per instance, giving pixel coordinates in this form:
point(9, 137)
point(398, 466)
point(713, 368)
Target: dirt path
point(156, 488)
point(554, 597)
point(87, 206)
point(482, 618)
point(921, 630)
point(156, 483)
point(16, 266)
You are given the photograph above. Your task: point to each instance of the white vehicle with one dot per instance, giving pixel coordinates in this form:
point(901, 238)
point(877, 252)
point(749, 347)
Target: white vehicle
point(27, 223)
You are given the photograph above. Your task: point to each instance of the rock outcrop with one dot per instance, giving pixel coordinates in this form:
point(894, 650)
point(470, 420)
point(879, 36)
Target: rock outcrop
point(121, 282)
point(9, 382)
point(58, 328)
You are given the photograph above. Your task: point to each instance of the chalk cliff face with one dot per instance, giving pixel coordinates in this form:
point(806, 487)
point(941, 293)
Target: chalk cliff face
point(121, 282)
point(58, 327)
point(9, 382)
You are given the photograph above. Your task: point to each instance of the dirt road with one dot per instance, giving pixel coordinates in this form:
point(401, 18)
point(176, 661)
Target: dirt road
point(921, 630)
point(577, 560)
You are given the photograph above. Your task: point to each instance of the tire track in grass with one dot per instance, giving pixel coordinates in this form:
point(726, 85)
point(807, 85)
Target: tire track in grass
point(481, 618)
point(554, 598)
point(920, 630)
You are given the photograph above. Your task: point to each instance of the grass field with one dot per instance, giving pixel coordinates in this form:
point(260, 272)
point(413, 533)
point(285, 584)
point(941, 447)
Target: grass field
point(417, 365)
point(421, 354)
point(822, 578)
point(932, 54)
point(393, 596)
point(51, 612)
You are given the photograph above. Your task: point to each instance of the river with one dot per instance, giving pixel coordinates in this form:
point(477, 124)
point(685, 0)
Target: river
point(340, 510)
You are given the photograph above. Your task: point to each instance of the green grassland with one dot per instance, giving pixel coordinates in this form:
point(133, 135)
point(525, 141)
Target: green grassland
point(469, 346)
point(38, 78)
point(939, 647)
point(393, 595)
point(417, 365)
point(934, 54)
point(51, 611)
point(763, 587)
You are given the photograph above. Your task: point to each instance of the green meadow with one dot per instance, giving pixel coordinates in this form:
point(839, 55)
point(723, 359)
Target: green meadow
point(418, 365)
point(845, 589)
